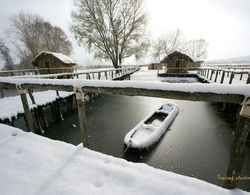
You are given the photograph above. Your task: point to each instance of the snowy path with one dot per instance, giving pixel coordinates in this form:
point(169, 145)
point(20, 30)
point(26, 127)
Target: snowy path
point(12, 106)
point(31, 164)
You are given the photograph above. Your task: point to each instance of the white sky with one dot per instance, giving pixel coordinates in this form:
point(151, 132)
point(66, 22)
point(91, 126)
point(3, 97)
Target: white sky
point(223, 23)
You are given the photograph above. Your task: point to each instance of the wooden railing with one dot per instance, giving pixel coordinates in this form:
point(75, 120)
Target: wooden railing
point(89, 74)
point(208, 74)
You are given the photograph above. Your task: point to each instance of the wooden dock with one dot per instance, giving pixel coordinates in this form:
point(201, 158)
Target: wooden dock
point(193, 92)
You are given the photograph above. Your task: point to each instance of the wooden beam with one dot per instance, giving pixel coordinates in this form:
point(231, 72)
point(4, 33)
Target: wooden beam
point(195, 96)
point(123, 90)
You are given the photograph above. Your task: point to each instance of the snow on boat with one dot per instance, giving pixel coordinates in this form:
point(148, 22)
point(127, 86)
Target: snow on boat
point(151, 128)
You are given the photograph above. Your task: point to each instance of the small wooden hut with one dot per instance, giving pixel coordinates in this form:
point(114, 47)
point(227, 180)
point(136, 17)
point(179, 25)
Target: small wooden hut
point(51, 63)
point(178, 62)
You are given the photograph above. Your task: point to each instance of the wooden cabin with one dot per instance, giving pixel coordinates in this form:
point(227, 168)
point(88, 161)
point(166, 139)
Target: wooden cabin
point(178, 62)
point(155, 66)
point(52, 63)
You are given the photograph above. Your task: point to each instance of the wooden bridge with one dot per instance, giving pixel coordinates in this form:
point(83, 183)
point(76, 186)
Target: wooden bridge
point(193, 92)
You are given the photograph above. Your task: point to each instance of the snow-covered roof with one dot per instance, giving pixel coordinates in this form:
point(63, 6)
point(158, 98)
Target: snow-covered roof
point(61, 57)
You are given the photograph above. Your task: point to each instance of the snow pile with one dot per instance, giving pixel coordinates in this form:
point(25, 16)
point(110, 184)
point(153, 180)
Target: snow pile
point(31, 164)
point(12, 106)
point(144, 135)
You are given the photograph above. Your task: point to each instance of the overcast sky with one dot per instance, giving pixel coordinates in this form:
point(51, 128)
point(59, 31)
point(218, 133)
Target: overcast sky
point(223, 23)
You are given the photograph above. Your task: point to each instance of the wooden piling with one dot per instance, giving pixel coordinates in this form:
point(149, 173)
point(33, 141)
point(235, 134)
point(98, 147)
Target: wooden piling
point(106, 75)
point(58, 108)
point(222, 77)
point(27, 112)
point(248, 78)
point(207, 73)
point(211, 76)
point(231, 78)
point(241, 75)
point(237, 152)
point(216, 75)
point(81, 115)
point(2, 93)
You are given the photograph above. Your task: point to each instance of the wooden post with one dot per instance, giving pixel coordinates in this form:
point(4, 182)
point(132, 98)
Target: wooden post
point(58, 106)
point(81, 115)
point(37, 122)
point(216, 75)
point(241, 75)
point(231, 78)
point(2, 93)
point(248, 78)
point(238, 146)
point(112, 74)
point(222, 77)
point(106, 75)
point(99, 75)
point(27, 112)
point(207, 73)
point(212, 72)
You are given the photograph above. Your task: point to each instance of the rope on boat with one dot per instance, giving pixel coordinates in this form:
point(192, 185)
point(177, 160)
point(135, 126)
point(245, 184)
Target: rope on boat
point(124, 151)
point(128, 145)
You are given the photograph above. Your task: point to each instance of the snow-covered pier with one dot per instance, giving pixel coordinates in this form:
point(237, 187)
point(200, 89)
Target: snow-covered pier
point(237, 93)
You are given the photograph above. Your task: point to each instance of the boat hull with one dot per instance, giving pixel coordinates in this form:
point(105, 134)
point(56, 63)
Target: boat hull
point(151, 128)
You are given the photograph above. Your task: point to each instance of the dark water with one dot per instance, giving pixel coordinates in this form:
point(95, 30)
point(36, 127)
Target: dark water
point(197, 143)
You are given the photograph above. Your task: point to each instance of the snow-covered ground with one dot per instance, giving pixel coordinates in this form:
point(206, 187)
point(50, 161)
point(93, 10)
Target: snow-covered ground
point(31, 164)
point(12, 106)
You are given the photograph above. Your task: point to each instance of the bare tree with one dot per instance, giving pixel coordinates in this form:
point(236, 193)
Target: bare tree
point(111, 29)
point(6, 57)
point(34, 34)
point(196, 48)
point(54, 39)
point(167, 44)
